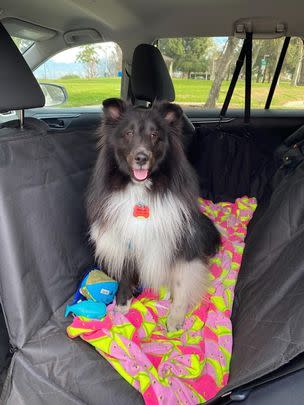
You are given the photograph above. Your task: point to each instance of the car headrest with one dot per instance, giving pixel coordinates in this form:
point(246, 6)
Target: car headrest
point(18, 87)
point(150, 79)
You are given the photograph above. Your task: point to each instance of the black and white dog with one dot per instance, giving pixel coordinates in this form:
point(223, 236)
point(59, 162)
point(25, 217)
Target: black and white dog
point(142, 208)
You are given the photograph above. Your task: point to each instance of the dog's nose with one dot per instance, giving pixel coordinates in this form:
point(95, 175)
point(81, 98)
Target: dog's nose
point(141, 158)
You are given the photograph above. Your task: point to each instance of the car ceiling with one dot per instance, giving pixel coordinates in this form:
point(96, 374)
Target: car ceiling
point(131, 19)
point(130, 22)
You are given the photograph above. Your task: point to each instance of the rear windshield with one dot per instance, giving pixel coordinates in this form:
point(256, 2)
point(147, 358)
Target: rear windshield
point(201, 69)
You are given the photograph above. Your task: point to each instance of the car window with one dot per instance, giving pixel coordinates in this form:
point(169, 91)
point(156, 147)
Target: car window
point(89, 73)
point(193, 65)
point(289, 93)
point(201, 69)
point(23, 44)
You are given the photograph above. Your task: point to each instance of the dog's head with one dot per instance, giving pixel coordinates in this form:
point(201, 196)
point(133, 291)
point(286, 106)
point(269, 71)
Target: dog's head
point(140, 138)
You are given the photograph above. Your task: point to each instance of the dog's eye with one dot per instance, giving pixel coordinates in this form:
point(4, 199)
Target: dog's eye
point(154, 135)
point(128, 134)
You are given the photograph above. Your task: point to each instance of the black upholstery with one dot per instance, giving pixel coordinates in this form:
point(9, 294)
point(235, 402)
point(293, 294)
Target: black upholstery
point(44, 249)
point(150, 79)
point(4, 349)
point(18, 90)
point(231, 161)
point(18, 86)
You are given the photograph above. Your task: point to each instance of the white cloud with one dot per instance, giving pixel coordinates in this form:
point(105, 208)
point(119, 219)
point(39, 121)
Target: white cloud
point(67, 56)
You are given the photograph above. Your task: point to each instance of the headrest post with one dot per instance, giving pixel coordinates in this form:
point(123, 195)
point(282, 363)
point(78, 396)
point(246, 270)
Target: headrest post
point(142, 103)
point(21, 118)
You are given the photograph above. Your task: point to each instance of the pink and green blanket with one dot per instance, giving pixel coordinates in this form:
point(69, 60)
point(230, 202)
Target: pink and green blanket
point(191, 365)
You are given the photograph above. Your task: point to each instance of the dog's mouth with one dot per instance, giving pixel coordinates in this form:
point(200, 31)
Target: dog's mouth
point(140, 174)
point(140, 163)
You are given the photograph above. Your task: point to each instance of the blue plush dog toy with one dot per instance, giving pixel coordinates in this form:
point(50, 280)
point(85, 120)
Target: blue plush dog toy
point(95, 291)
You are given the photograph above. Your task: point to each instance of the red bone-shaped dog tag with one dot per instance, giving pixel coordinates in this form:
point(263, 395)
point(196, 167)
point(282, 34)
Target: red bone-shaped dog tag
point(141, 211)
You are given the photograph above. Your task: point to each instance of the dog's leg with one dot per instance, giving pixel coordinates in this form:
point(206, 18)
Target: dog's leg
point(189, 286)
point(126, 289)
point(124, 296)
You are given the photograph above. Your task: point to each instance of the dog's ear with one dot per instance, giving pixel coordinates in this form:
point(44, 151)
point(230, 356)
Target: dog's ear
point(172, 113)
point(113, 108)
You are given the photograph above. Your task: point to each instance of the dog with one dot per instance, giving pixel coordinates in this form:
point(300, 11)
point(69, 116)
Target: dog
point(142, 208)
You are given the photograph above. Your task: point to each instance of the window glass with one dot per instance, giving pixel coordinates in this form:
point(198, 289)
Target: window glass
point(201, 69)
point(23, 44)
point(89, 73)
point(289, 93)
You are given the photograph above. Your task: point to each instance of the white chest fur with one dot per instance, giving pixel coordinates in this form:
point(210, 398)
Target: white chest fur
point(151, 243)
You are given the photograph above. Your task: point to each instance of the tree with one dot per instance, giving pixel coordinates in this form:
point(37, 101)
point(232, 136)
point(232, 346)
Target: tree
point(228, 55)
point(293, 67)
point(291, 59)
point(88, 56)
point(256, 65)
point(299, 65)
point(172, 47)
point(190, 55)
point(115, 59)
point(301, 77)
point(268, 51)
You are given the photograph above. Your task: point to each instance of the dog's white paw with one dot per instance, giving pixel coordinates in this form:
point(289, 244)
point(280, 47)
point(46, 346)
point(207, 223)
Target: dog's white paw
point(123, 309)
point(174, 322)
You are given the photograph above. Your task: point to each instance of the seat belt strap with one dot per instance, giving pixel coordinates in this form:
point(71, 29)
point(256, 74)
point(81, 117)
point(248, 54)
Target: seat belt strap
point(236, 73)
point(248, 76)
point(277, 73)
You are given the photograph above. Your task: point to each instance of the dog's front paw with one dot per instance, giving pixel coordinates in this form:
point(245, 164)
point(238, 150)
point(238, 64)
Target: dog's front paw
point(123, 309)
point(174, 322)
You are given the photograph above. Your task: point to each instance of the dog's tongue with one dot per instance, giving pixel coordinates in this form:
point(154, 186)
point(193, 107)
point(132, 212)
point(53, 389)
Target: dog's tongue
point(140, 174)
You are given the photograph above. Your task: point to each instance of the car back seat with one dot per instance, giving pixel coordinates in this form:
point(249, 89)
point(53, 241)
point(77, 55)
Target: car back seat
point(43, 250)
point(268, 314)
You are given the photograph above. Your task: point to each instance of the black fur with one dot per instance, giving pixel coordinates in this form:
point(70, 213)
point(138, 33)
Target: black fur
point(128, 285)
point(169, 168)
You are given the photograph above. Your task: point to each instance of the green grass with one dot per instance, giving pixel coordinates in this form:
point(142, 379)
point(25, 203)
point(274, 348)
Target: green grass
point(86, 92)
point(89, 92)
point(197, 91)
